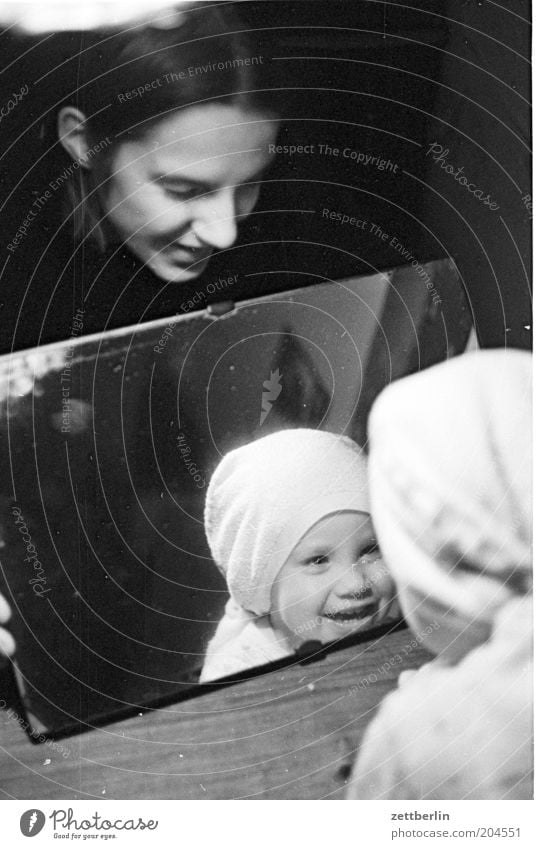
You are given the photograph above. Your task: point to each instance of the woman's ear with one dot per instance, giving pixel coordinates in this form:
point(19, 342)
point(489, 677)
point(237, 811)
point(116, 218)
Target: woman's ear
point(73, 135)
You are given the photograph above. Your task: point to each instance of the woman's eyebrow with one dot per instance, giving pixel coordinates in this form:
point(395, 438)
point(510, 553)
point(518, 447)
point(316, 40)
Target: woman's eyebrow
point(179, 178)
point(201, 184)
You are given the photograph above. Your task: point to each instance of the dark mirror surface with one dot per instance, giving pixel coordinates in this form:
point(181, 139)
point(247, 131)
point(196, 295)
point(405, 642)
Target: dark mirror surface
point(108, 444)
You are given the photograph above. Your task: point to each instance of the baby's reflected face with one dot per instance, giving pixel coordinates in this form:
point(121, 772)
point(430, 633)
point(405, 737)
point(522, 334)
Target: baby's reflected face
point(333, 583)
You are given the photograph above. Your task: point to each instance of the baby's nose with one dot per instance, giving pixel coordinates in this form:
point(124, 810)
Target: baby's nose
point(354, 582)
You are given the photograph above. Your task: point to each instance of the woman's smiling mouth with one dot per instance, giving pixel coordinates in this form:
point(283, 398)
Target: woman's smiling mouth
point(185, 259)
point(194, 254)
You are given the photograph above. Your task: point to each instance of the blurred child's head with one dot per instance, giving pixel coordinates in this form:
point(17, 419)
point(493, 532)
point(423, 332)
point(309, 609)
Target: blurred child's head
point(287, 520)
point(450, 482)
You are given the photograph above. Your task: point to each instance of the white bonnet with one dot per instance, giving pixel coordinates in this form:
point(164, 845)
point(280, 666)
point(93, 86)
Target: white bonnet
point(450, 483)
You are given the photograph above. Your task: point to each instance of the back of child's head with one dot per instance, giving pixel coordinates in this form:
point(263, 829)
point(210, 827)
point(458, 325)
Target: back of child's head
point(450, 483)
point(264, 497)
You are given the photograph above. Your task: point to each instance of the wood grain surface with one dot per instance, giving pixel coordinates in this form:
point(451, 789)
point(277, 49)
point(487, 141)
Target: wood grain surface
point(287, 734)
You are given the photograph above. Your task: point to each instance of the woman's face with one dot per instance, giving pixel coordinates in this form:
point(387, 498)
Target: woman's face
point(333, 583)
point(177, 194)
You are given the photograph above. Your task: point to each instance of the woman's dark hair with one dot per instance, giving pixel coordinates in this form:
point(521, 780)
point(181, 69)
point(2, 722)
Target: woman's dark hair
point(127, 79)
point(124, 81)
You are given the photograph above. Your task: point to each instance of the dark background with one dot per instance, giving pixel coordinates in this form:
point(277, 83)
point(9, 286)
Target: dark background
point(382, 78)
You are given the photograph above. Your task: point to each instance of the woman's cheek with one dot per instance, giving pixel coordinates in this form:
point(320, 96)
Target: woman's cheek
point(175, 218)
point(247, 200)
point(158, 211)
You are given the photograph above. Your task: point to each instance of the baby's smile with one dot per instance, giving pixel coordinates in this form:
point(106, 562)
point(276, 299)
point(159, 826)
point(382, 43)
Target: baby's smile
point(355, 615)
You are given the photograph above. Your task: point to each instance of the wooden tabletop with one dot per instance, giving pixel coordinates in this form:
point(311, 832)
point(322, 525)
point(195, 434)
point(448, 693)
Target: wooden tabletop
point(287, 734)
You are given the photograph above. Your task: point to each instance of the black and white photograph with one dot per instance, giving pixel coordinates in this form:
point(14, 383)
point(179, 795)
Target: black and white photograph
point(266, 413)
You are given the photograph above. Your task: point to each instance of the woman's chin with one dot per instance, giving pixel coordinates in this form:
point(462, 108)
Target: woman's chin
point(171, 272)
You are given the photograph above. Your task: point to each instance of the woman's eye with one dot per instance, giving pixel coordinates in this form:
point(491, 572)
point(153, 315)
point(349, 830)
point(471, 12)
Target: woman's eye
point(178, 191)
point(181, 194)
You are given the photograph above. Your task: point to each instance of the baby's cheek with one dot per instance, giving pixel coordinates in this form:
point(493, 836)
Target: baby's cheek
point(383, 583)
point(304, 619)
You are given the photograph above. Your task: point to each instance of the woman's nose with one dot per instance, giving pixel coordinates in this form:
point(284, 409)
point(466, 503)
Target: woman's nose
point(215, 220)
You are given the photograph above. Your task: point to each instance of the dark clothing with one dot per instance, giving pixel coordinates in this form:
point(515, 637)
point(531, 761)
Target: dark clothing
point(45, 285)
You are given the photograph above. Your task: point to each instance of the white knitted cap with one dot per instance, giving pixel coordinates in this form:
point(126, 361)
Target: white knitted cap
point(265, 496)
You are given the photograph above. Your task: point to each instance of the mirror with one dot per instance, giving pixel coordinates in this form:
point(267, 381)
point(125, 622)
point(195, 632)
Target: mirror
point(108, 445)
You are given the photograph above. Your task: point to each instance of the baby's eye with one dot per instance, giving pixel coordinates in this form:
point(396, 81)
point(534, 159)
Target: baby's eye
point(317, 563)
point(370, 549)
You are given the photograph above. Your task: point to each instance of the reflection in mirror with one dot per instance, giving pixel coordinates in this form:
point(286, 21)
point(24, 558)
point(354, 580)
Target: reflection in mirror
point(287, 517)
point(109, 444)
